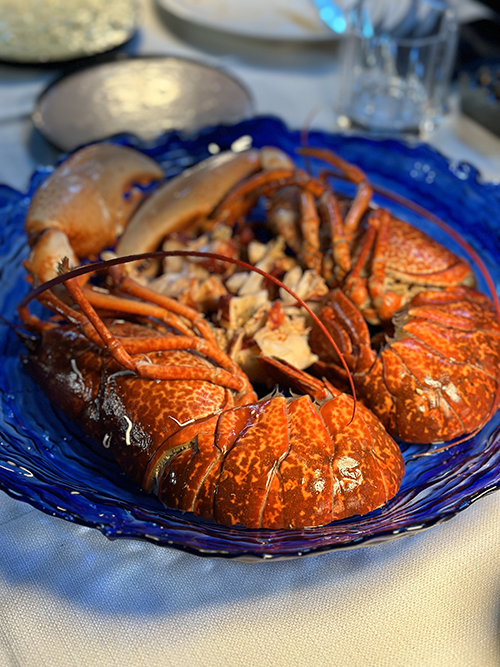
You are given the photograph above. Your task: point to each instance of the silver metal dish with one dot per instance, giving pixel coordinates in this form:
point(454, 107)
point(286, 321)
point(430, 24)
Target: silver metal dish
point(144, 96)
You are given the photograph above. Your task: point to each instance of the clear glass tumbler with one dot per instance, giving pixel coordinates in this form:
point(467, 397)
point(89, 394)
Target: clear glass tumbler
point(396, 68)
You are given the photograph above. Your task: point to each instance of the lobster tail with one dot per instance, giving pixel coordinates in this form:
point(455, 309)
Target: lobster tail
point(283, 463)
point(277, 463)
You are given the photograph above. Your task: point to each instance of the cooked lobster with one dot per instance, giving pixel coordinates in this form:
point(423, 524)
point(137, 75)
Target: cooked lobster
point(182, 420)
point(436, 377)
point(148, 376)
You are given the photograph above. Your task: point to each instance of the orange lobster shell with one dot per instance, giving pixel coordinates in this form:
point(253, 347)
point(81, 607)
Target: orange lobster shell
point(436, 378)
point(275, 463)
point(179, 414)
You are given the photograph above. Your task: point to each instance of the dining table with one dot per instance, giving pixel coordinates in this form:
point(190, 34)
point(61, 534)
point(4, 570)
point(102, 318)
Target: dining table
point(71, 597)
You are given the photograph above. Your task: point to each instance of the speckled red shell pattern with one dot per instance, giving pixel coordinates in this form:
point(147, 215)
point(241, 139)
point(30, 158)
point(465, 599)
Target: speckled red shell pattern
point(277, 463)
point(442, 367)
point(286, 463)
point(423, 257)
point(436, 378)
point(130, 416)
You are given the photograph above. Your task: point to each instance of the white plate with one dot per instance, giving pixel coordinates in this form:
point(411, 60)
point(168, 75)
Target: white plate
point(53, 31)
point(262, 19)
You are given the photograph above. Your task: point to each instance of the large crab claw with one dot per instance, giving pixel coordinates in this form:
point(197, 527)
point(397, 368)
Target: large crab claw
point(192, 196)
point(84, 199)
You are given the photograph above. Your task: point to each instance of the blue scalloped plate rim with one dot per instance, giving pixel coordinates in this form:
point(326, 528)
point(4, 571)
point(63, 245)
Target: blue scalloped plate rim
point(46, 461)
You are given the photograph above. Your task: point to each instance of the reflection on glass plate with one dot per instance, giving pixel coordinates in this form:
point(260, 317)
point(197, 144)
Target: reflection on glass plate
point(260, 19)
point(45, 460)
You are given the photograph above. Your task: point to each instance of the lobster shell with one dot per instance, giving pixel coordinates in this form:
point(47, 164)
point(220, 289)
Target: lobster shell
point(275, 463)
point(94, 391)
point(436, 377)
point(285, 463)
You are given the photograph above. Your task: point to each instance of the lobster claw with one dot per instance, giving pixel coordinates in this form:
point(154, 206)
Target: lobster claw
point(81, 208)
point(191, 197)
point(84, 196)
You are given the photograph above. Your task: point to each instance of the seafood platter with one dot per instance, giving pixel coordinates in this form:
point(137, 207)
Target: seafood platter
point(251, 343)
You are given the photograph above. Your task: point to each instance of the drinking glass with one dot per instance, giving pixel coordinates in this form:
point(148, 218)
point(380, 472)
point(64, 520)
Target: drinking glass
point(396, 65)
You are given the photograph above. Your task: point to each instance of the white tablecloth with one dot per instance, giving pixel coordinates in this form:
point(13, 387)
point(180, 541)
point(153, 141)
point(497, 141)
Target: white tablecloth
point(69, 597)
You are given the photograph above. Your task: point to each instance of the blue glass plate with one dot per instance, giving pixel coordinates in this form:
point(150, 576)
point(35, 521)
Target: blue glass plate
point(46, 461)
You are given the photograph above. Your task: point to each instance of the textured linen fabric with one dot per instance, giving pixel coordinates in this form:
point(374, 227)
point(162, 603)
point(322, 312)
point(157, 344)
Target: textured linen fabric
point(71, 598)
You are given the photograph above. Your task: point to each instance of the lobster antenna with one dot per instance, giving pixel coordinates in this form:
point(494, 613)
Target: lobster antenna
point(22, 335)
point(159, 254)
point(453, 443)
point(304, 133)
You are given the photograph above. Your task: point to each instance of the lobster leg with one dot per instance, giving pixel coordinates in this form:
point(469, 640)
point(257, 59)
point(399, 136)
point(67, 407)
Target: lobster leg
point(356, 175)
point(300, 179)
point(289, 377)
point(130, 286)
point(310, 231)
point(94, 328)
point(347, 326)
point(362, 291)
point(355, 286)
point(123, 305)
point(294, 213)
point(164, 343)
point(341, 253)
point(110, 342)
point(386, 303)
point(243, 197)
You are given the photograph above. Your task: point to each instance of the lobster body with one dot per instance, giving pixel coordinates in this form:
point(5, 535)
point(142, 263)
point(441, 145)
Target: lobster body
point(285, 463)
point(275, 463)
point(393, 261)
point(130, 417)
point(436, 377)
